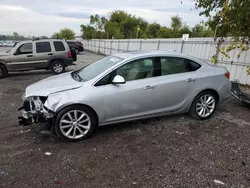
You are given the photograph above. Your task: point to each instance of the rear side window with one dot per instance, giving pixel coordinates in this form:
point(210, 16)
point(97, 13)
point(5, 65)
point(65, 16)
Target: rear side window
point(59, 46)
point(176, 65)
point(43, 47)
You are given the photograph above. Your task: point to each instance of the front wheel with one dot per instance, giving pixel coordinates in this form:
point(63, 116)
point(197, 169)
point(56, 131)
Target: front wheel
point(3, 71)
point(57, 67)
point(204, 105)
point(75, 123)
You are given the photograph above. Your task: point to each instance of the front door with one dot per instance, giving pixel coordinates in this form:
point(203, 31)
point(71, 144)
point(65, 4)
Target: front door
point(137, 97)
point(23, 58)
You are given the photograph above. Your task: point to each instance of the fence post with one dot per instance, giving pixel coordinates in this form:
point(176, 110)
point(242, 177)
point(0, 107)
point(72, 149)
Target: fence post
point(118, 45)
point(140, 44)
point(95, 47)
point(158, 46)
point(111, 46)
point(105, 46)
point(99, 46)
point(182, 44)
point(128, 46)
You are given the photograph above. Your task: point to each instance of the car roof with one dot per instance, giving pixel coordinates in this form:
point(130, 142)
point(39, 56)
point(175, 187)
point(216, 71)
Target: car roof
point(41, 40)
point(145, 53)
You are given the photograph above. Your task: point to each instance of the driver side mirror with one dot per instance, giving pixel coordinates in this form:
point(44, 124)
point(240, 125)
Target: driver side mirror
point(118, 80)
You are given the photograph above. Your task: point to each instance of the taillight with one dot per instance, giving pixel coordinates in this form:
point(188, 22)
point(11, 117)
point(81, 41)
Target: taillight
point(227, 75)
point(69, 54)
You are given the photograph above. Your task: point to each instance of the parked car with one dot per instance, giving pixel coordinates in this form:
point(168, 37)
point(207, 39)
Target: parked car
point(8, 44)
point(1, 43)
point(125, 87)
point(54, 55)
point(78, 46)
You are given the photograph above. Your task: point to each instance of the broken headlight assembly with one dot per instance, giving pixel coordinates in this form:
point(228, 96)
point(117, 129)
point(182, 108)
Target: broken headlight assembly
point(34, 111)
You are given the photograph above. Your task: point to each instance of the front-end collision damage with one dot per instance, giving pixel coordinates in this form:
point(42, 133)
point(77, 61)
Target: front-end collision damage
point(34, 111)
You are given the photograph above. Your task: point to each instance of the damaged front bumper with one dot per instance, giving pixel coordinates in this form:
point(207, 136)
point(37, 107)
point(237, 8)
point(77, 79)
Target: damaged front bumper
point(33, 111)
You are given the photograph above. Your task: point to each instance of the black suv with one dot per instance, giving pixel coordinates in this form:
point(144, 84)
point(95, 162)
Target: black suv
point(78, 46)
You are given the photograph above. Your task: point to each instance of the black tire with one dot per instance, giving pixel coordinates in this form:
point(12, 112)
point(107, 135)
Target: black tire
point(57, 67)
point(89, 114)
point(73, 54)
point(193, 110)
point(3, 71)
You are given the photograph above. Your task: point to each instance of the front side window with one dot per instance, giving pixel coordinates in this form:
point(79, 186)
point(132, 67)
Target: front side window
point(138, 69)
point(104, 81)
point(25, 49)
point(97, 68)
point(43, 47)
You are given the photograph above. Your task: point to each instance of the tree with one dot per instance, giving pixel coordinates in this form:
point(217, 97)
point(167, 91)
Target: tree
point(88, 32)
point(153, 30)
point(201, 31)
point(56, 36)
point(229, 18)
point(66, 34)
point(122, 25)
point(176, 23)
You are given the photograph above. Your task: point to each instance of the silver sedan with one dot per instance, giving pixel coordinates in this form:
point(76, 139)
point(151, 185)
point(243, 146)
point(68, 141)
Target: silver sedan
point(125, 87)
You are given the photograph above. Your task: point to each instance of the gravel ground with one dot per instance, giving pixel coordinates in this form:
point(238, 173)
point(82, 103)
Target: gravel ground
point(175, 151)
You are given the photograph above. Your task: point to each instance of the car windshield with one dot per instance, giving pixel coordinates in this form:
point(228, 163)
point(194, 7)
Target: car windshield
point(96, 68)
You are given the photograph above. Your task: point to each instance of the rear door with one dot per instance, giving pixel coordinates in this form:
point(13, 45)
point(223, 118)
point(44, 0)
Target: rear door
point(24, 57)
point(43, 53)
point(176, 83)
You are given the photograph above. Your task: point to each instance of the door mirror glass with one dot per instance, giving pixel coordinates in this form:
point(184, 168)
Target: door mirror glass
point(118, 80)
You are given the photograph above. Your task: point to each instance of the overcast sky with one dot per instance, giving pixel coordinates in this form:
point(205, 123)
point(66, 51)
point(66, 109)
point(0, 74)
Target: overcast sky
point(44, 17)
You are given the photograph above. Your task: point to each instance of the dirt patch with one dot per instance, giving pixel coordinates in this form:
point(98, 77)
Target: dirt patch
point(174, 151)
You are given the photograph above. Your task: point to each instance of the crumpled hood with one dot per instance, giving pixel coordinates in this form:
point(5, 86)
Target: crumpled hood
point(51, 85)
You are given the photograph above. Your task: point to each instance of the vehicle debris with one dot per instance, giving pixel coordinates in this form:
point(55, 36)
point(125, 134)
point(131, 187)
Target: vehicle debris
point(219, 182)
point(239, 94)
point(48, 153)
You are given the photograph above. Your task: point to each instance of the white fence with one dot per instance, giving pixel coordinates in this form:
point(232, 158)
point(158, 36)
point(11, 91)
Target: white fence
point(203, 48)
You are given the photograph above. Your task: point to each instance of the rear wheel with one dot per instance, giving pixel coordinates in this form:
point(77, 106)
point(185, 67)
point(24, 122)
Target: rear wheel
point(3, 71)
point(57, 67)
point(204, 105)
point(75, 123)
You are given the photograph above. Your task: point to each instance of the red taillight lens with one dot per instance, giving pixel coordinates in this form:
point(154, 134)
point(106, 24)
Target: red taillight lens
point(69, 54)
point(227, 75)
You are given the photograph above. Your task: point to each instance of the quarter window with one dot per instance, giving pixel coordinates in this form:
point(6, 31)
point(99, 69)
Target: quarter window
point(43, 47)
point(139, 69)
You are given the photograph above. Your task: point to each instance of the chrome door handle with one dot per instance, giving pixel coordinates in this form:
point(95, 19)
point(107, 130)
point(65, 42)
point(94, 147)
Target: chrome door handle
point(191, 80)
point(148, 87)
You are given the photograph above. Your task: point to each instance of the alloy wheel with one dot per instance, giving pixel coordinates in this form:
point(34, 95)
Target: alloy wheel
point(75, 124)
point(205, 106)
point(58, 68)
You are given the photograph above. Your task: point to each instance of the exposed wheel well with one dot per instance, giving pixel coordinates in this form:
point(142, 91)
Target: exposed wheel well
point(78, 104)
